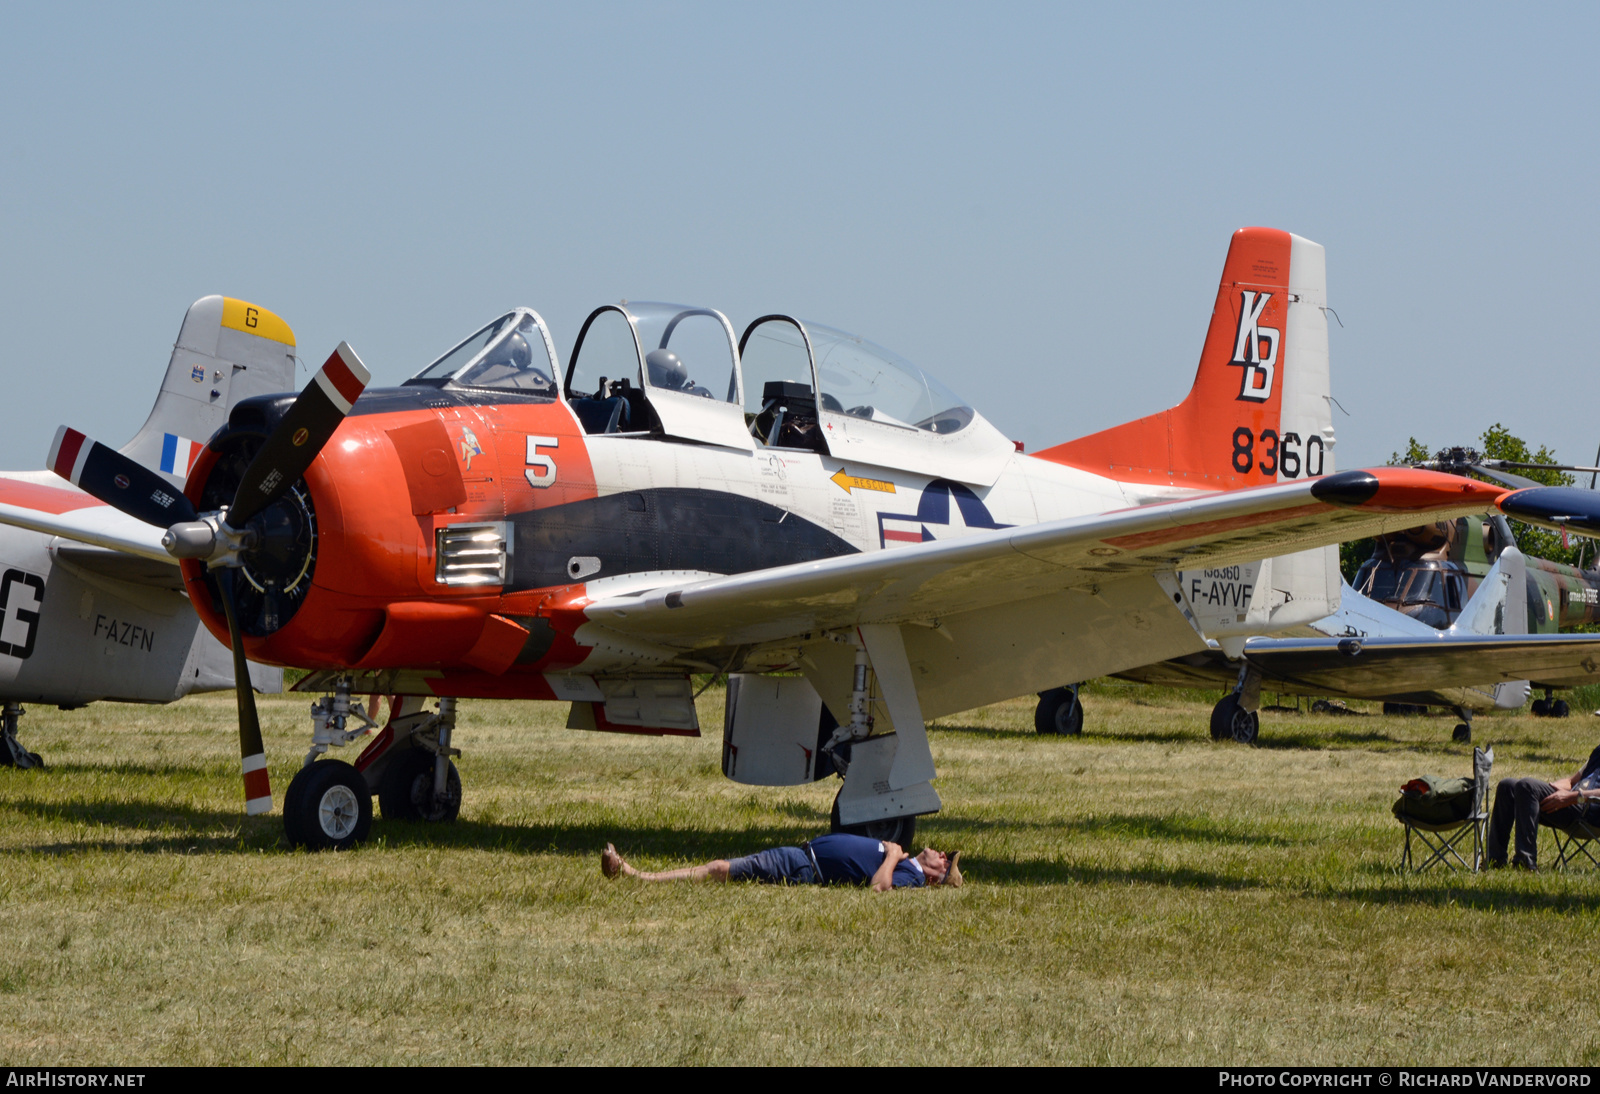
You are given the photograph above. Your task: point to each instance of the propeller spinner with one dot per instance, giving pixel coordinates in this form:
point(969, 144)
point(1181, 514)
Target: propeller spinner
point(219, 538)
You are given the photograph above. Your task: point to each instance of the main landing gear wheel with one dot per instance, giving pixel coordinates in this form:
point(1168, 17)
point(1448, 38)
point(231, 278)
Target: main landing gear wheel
point(1230, 721)
point(406, 792)
point(1059, 711)
point(1462, 734)
point(12, 754)
point(1560, 709)
point(901, 830)
point(1540, 708)
point(328, 807)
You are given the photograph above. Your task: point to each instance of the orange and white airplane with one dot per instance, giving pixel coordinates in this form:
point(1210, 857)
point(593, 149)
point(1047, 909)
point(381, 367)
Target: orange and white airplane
point(794, 506)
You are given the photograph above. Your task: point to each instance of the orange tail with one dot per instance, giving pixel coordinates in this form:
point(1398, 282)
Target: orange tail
point(1259, 410)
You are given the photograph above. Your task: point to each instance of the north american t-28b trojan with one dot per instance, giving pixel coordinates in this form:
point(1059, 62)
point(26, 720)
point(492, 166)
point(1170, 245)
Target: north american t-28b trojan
point(794, 506)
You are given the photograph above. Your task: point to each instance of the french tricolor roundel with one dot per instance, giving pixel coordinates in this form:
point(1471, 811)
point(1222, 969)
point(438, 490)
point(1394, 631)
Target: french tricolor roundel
point(178, 454)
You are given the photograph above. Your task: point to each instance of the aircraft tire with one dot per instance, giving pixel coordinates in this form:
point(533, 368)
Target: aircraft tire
point(330, 809)
point(1231, 722)
point(291, 808)
point(406, 792)
point(1560, 709)
point(1540, 708)
point(1060, 712)
point(1462, 734)
point(901, 830)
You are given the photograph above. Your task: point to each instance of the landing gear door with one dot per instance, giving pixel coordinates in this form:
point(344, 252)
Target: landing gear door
point(772, 731)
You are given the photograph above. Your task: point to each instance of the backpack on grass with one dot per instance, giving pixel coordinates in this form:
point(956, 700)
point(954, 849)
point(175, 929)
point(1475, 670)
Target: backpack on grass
point(1434, 799)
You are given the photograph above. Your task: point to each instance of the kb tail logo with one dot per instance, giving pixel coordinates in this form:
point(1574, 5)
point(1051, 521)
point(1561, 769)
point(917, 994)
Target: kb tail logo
point(1259, 365)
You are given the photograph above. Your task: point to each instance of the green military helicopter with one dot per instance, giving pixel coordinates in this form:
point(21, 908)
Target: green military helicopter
point(1430, 572)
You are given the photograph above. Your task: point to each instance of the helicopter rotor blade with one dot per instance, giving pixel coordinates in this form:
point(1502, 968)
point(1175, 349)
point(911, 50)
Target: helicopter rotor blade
point(1504, 478)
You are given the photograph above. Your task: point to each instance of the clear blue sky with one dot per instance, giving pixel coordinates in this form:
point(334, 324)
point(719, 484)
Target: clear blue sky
point(1032, 202)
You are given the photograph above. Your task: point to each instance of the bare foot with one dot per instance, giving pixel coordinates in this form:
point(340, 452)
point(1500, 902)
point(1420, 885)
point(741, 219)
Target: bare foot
point(610, 861)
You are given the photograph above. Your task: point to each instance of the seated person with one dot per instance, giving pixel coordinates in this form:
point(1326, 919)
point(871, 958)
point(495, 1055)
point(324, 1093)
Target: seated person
point(1527, 803)
point(835, 859)
point(668, 372)
point(509, 364)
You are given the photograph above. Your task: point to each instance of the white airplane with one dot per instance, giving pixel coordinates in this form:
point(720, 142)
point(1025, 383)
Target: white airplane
point(797, 507)
point(1367, 650)
point(81, 619)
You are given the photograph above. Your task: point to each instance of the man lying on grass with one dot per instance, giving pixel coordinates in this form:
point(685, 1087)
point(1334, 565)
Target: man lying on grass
point(837, 859)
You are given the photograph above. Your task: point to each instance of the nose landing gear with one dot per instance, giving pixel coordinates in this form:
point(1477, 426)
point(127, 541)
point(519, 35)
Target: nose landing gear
point(408, 766)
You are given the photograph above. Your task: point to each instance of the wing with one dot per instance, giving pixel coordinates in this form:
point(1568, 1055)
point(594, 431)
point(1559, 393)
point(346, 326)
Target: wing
point(1375, 668)
point(74, 515)
point(925, 582)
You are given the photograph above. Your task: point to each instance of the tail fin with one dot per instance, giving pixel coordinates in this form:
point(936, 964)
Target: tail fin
point(1500, 604)
point(227, 350)
point(1259, 410)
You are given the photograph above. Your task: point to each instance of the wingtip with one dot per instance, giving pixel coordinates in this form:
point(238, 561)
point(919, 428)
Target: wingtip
point(1554, 507)
point(1403, 490)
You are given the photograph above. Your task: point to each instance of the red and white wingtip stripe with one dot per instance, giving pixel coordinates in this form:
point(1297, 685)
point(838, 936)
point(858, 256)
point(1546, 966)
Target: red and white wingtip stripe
point(343, 377)
point(68, 452)
point(257, 788)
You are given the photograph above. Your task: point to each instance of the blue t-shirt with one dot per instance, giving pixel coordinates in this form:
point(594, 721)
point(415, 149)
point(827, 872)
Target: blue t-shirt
point(852, 860)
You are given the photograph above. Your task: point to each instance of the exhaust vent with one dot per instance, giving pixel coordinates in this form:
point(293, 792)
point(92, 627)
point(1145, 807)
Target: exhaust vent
point(472, 554)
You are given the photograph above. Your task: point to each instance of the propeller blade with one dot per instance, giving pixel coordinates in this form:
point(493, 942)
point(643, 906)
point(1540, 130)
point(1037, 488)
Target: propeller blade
point(1555, 507)
point(252, 753)
point(301, 434)
point(121, 483)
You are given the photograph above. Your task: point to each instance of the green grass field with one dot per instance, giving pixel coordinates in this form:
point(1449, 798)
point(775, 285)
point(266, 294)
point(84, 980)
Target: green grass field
point(1137, 895)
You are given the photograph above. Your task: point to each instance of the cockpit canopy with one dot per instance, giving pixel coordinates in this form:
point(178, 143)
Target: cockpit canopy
point(677, 370)
point(512, 353)
point(1432, 591)
point(856, 377)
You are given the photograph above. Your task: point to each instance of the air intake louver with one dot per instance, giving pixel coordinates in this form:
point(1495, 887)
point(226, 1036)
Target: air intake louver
point(472, 554)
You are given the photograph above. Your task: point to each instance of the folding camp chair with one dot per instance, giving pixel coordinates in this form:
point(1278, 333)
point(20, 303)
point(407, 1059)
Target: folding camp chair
point(1445, 842)
point(1573, 843)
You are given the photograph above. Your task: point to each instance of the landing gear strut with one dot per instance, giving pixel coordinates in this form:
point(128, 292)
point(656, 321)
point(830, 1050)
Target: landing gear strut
point(12, 754)
point(887, 777)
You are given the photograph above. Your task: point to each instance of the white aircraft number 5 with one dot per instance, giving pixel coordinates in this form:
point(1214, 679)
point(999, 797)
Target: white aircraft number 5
point(541, 470)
